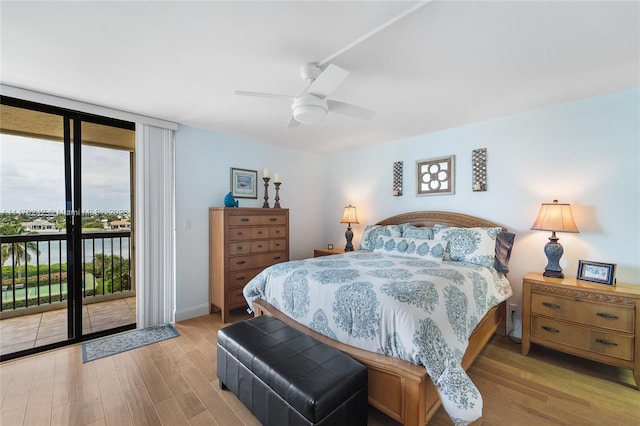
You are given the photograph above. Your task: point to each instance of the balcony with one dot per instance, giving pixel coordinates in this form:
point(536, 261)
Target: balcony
point(34, 287)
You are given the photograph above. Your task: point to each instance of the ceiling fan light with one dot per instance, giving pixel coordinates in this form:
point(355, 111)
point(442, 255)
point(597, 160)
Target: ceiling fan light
point(309, 109)
point(309, 114)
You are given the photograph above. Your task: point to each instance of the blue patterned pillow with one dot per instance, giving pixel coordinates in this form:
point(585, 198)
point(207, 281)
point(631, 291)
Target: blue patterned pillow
point(372, 232)
point(411, 247)
point(423, 233)
point(475, 245)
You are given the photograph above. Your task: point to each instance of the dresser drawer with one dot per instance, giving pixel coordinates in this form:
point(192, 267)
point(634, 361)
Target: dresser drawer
point(275, 245)
point(260, 246)
point(605, 315)
point(588, 339)
point(272, 258)
point(241, 278)
point(238, 263)
point(260, 232)
point(244, 220)
point(239, 248)
point(239, 234)
point(277, 232)
point(276, 219)
point(235, 297)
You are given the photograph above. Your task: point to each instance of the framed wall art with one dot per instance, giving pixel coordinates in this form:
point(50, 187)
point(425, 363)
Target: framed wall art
point(597, 272)
point(244, 183)
point(436, 176)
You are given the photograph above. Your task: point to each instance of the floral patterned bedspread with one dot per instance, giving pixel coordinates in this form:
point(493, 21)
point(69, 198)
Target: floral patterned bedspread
point(418, 310)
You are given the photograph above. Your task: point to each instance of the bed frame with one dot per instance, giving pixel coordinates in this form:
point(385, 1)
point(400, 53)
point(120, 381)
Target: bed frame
point(402, 390)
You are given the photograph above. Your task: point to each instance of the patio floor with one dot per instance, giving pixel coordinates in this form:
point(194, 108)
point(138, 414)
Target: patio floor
point(35, 330)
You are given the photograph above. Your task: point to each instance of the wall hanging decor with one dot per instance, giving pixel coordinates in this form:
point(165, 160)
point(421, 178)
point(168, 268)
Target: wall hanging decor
point(397, 178)
point(436, 176)
point(479, 169)
point(244, 183)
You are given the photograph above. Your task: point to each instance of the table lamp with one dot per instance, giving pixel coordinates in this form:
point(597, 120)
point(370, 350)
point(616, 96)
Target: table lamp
point(349, 216)
point(554, 217)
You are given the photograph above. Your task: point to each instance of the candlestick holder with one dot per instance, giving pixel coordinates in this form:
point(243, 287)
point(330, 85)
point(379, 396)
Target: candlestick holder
point(266, 192)
point(277, 185)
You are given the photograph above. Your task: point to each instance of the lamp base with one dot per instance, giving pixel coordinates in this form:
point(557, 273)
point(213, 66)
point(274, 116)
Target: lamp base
point(349, 236)
point(553, 274)
point(554, 251)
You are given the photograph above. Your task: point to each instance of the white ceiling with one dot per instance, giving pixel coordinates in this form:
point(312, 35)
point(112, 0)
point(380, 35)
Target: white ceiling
point(448, 64)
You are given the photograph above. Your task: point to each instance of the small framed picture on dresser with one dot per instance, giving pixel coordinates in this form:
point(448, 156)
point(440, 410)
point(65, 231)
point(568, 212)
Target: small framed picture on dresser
point(597, 272)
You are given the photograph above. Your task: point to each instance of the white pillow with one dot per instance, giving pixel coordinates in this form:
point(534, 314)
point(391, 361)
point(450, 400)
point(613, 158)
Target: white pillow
point(411, 247)
point(475, 245)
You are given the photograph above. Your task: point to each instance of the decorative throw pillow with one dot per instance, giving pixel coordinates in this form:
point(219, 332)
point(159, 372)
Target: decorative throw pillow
point(504, 244)
point(423, 233)
point(475, 245)
point(372, 232)
point(411, 247)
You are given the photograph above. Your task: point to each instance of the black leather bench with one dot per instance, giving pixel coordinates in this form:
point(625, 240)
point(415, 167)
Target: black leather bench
point(285, 377)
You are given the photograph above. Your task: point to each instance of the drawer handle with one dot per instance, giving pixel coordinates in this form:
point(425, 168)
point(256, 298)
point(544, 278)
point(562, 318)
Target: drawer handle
point(259, 232)
point(244, 219)
point(260, 246)
point(273, 219)
point(276, 258)
point(240, 262)
point(606, 342)
point(239, 295)
point(239, 278)
point(239, 233)
point(277, 232)
point(550, 329)
point(551, 305)
point(607, 316)
point(239, 247)
point(277, 244)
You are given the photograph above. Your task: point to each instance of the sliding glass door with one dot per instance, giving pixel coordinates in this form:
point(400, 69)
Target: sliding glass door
point(65, 226)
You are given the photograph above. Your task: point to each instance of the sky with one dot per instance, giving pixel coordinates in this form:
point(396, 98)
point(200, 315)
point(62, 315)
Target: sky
point(32, 176)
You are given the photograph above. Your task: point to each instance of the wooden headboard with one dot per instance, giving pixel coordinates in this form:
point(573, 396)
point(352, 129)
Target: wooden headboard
point(430, 218)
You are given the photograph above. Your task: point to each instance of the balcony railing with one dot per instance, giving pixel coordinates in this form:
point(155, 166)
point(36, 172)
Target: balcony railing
point(34, 267)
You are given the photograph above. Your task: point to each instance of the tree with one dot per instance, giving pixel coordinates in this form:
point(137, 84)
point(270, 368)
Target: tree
point(113, 271)
point(17, 251)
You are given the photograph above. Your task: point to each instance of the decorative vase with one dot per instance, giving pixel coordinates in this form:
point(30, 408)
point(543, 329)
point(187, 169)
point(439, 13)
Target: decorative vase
point(230, 201)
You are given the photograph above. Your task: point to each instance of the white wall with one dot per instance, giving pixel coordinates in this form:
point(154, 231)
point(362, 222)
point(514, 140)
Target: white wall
point(203, 162)
point(585, 153)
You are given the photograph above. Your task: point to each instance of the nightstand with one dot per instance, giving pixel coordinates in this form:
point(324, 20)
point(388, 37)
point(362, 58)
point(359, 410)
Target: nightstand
point(593, 321)
point(327, 252)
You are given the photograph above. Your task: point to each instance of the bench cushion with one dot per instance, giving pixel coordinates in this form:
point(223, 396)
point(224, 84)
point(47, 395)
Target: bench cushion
point(311, 376)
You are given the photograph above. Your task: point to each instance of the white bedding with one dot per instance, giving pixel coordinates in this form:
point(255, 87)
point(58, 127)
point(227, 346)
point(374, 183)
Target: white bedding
point(418, 310)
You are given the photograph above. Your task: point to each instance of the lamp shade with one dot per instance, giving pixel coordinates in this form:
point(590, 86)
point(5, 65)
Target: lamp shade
point(349, 215)
point(556, 217)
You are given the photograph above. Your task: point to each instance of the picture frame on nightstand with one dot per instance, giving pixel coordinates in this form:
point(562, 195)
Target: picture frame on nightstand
point(597, 272)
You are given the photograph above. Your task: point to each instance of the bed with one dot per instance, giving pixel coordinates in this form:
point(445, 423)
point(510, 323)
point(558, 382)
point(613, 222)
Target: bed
point(399, 384)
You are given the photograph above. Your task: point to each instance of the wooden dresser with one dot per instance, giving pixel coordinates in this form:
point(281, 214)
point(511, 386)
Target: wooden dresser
point(242, 242)
point(594, 321)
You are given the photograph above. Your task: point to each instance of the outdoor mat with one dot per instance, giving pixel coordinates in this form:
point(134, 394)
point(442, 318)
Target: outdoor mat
point(121, 342)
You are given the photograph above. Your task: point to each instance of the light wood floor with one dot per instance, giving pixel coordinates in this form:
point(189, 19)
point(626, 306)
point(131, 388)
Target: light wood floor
point(174, 383)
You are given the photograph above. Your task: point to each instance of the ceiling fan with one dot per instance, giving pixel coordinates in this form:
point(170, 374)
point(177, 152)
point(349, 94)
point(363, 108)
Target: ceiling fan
point(311, 104)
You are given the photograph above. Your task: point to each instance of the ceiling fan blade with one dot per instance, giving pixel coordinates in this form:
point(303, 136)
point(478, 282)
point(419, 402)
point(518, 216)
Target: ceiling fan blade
point(263, 94)
point(327, 81)
point(349, 109)
point(293, 122)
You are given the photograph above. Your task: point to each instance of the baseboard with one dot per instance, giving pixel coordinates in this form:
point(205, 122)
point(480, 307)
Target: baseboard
point(192, 312)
